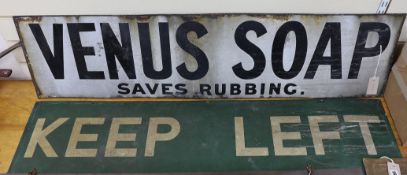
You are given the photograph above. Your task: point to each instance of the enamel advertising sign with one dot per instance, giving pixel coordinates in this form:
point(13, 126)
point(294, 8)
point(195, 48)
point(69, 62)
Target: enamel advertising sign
point(204, 136)
point(210, 55)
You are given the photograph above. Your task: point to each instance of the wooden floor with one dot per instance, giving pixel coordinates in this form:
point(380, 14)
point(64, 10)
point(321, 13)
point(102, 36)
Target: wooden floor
point(16, 101)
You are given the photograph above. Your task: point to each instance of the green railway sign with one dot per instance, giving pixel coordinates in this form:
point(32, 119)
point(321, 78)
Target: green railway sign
point(203, 136)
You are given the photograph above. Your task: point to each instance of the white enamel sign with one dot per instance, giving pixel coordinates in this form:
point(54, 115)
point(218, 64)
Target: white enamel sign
point(209, 56)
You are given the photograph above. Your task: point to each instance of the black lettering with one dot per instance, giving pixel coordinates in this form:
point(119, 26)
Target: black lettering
point(55, 61)
point(138, 89)
point(275, 88)
point(287, 89)
point(124, 88)
point(153, 89)
point(146, 54)
point(300, 49)
point(79, 51)
point(187, 46)
point(251, 49)
point(250, 89)
point(205, 88)
point(331, 32)
point(235, 89)
point(113, 49)
point(262, 88)
point(220, 90)
point(181, 89)
point(383, 30)
point(166, 89)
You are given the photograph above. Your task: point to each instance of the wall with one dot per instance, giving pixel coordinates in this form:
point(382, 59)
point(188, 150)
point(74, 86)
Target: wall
point(10, 8)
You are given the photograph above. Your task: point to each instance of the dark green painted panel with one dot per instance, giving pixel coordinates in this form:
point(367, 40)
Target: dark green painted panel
point(206, 142)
